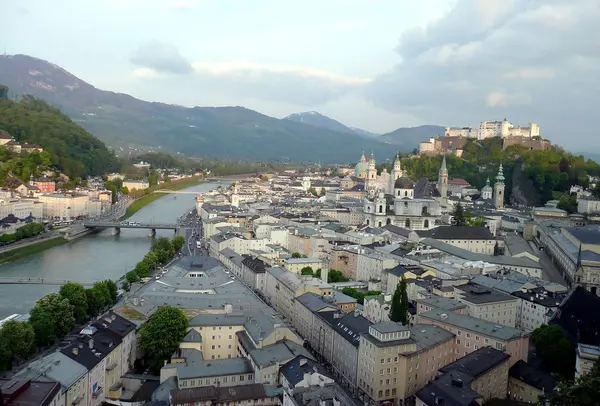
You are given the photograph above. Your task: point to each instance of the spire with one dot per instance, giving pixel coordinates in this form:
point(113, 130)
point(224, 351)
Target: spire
point(443, 168)
point(372, 159)
point(363, 158)
point(487, 181)
point(500, 176)
point(397, 160)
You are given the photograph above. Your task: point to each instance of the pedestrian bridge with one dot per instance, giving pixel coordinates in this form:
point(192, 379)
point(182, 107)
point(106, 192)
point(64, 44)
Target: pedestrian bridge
point(118, 225)
point(41, 281)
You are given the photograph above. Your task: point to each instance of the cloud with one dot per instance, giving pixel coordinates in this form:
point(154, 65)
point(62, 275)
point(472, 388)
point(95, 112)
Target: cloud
point(535, 60)
point(302, 86)
point(160, 58)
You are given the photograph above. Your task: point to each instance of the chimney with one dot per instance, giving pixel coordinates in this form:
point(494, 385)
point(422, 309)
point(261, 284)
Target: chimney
point(91, 343)
point(75, 351)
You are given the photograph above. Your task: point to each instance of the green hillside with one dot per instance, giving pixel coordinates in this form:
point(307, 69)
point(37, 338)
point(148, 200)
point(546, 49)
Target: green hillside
point(538, 175)
point(67, 147)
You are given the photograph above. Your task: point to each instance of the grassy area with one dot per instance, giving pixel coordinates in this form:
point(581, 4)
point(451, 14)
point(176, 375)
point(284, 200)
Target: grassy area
point(131, 314)
point(30, 249)
point(150, 197)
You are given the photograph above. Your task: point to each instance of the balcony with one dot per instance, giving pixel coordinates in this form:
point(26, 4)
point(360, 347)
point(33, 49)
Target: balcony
point(111, 366)
point(77, 400)
point(97, 392)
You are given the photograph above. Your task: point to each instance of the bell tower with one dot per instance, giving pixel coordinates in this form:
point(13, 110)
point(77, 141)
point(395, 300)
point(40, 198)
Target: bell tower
point(443, 181)
point(371, 172)
point(499, 189)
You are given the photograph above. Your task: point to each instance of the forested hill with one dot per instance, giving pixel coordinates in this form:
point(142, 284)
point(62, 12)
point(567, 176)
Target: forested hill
point(536, 176)
point(71, 149)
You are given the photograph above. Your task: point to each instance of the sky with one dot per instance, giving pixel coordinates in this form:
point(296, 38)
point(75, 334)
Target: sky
point(373, 64)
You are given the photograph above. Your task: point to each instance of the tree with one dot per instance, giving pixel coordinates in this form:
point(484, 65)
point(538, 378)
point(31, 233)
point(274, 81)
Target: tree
point(584, 391)
point(75, 294)
point(126, 286)
point(5, 355)
point(102, 295)
point(94, 305)
point(58, 310)
point(323, 192)
point(112, 289)
point(336, 276)
point(20, 338)
point(132, 277)
point(161, 335)
point(307, 270)
point(142, 269)
point(554, 349)
point(458, 216)
point(297, 255)
point(399, 308)
point(178, 242)
point(151, 259)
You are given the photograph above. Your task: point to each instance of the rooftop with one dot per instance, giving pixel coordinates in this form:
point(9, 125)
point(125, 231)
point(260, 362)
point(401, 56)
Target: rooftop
point(443, 303)
point(457, 233)
point(479, 294)
point(295, 369)
point(55, 367)
point(29, 393)
point(477, 363)
point(502, 333)
point(210, 368)
point(532, 376)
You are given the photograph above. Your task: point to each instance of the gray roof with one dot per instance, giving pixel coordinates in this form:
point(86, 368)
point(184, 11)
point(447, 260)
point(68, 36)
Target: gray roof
point(278, 353)
point(210, 368)
point(427, 336)
point(471, 256)
point(340, 297)
point(440, 302)
point(479, 294)
point(192, 336)
point(313, 302)
point(54, 367)
point(517, 245)
point(202, 320)
point(483, 327)
point(389, 327)
point(586, 235)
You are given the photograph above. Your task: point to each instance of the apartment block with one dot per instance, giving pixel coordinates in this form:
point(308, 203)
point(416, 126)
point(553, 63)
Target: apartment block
point(472, 334)
point(32, 393)
point(488, 304)
point(474, 379)
point(529, 384)
point(344, 258)
point(295, 265)
point(395, 361)
point(478, 240)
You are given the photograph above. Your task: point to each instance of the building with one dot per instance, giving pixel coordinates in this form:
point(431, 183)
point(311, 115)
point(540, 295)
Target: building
point(488, 304)
point(504, 129)
point(326, 394)
point(587, 355)
point(45, 185)
point(282, 287)
point(30, 393)
point(62, 206)
point(57, 367)
point(366, 170)
point(377, 308)
point(255, 394)
point(529, 384)
point(135, 184)
point(472, 334)
point(588, 205)
point(296, 265)
point(478, 240)
point(499, 189)
point(305, 308)
point(302, 372)
point(473, 379)
point(536, 306)
point(395, 361)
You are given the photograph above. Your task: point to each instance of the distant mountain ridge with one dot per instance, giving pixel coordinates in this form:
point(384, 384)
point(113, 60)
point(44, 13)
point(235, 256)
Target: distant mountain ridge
point(409, 138)
point(222, 132)
point(319, 120)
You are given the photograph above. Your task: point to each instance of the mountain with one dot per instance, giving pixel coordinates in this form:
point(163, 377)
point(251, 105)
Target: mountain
point(406, 139)
point(226, 132)
point(66, 146)
point(319, 120)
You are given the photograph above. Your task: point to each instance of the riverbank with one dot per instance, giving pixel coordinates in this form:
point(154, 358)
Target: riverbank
point(145, 200)
point(33, 248)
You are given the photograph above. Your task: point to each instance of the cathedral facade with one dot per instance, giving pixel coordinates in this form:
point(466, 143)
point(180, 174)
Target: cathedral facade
point(392, 198)
point(366, 169)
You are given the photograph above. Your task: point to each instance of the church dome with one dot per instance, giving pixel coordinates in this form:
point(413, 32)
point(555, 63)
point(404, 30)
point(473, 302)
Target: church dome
point(360, 167)
point(404, 183)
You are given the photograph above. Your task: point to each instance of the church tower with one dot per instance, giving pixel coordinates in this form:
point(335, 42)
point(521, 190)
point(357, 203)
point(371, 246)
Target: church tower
point(371, 173)
point(396, 174)
point(443, 181)
point(499, 189)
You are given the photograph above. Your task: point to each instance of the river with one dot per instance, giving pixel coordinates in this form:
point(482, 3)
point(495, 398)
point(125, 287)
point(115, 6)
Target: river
point(94, 257)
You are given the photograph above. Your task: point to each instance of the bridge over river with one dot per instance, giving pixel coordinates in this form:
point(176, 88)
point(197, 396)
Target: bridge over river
point(41, 281)
point(124, 224)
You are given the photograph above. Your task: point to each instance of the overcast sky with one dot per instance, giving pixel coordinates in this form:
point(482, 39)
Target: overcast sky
point(374, 64)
